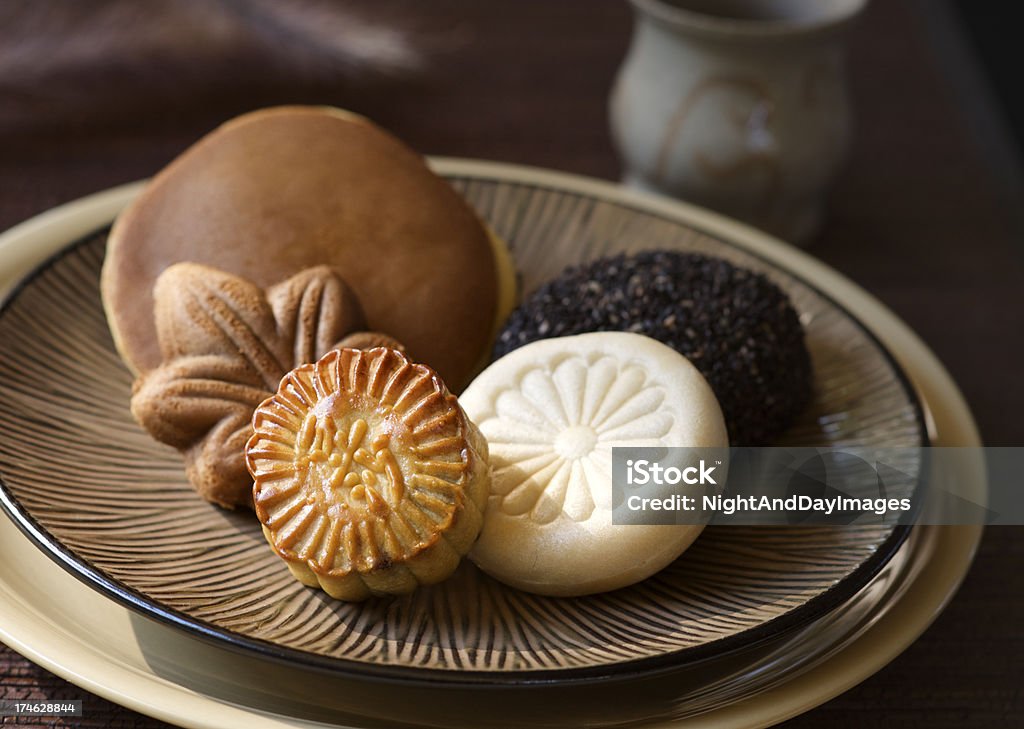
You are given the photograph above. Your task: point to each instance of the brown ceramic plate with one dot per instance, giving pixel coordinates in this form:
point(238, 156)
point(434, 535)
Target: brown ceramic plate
point(110, 505)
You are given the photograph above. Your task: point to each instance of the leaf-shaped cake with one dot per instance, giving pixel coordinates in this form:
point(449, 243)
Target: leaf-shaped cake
point(226, 344)
point(369, 477)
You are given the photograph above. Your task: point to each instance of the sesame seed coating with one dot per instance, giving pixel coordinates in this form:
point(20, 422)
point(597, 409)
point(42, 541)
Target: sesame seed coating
point(736, 326)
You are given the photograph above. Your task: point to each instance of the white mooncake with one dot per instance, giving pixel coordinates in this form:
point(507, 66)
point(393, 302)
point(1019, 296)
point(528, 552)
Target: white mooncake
point(551, 412)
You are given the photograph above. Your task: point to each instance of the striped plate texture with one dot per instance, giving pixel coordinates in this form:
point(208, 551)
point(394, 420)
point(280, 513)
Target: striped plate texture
point(113, 506)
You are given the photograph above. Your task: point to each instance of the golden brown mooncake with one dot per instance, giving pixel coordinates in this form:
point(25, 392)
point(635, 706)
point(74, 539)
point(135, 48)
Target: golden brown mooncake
point(279, 190)
point(369, 479)
point(225, 345)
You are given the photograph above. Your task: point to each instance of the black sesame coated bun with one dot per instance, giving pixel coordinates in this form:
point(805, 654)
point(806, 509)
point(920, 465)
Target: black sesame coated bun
point(736, 326)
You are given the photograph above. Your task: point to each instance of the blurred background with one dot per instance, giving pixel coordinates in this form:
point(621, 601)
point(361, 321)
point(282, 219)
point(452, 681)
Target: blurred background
point(94, 93)
point(926, 214)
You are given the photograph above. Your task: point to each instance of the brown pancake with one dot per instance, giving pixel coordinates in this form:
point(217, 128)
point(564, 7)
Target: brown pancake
point(280, 190)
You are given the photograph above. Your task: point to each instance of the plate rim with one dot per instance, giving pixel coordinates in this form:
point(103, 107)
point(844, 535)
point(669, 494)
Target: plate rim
point(673, 211)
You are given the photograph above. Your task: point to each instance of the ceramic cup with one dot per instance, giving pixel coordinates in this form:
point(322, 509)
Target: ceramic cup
point(737, 105)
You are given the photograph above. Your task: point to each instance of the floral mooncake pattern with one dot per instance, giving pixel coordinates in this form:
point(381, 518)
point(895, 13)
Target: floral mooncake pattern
point(551, 412)
point(369, 478)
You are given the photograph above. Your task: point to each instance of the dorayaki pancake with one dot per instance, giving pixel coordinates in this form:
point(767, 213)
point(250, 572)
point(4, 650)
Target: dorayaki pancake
point(280, 190)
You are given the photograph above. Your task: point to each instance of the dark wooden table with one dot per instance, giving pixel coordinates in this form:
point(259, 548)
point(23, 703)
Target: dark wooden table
point(926, 217)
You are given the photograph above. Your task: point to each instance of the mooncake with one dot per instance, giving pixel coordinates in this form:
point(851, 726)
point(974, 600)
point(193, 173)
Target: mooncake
point(369, 479)
point(280, 190)
point(735, 325)
point(551, 412)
